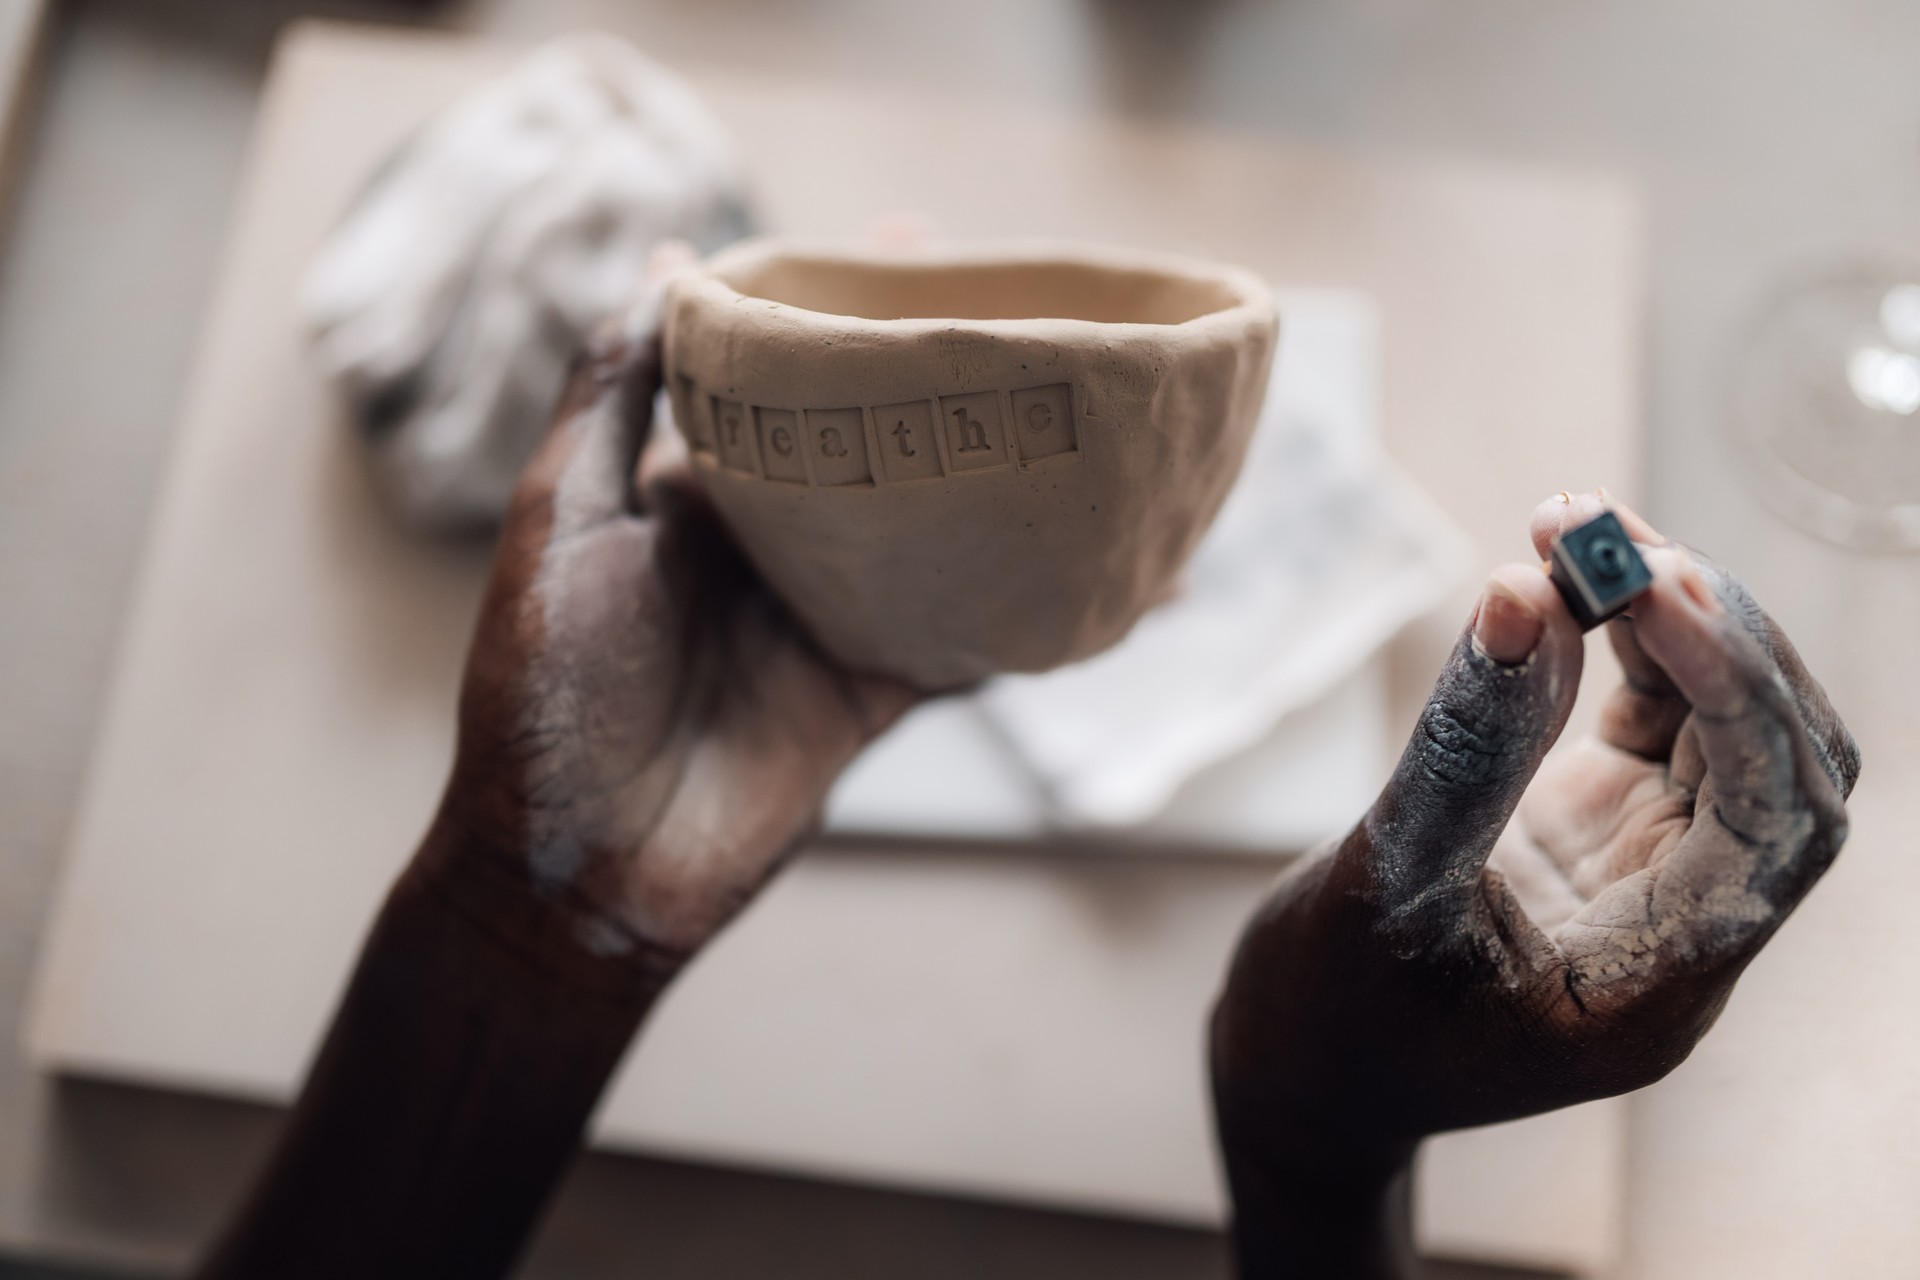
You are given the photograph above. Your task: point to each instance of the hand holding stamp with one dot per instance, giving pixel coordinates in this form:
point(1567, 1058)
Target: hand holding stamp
point(1507, 931)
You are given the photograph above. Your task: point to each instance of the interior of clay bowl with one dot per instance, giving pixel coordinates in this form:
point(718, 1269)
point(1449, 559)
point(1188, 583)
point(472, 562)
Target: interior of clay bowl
point(989, 290)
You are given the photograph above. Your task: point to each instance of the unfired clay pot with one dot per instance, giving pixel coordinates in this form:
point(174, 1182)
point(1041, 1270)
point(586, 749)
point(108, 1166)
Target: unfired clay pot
point(955, 464)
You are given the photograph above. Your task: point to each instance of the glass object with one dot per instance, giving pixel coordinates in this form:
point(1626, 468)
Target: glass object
point(1826, 407)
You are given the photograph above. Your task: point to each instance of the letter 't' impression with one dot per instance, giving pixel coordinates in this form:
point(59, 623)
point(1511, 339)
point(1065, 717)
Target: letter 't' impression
point(908, 450)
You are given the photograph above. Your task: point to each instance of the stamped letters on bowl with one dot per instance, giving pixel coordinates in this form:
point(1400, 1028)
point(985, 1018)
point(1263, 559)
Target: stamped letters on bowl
point(837, 446)
point(735, 432)
point(975, 439)
point(1043, 421)
point(914, 440)
point(908, 449)
point(780, 451)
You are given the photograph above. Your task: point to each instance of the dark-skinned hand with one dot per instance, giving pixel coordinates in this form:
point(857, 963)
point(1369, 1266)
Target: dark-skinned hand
point(645, 730)
point(1505, 934)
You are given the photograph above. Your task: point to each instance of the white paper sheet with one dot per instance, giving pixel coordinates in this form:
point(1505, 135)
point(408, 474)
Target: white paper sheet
point(1247, 711)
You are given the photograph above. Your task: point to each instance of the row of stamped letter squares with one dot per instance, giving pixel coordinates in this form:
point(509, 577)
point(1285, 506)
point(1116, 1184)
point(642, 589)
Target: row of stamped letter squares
point(836, 446)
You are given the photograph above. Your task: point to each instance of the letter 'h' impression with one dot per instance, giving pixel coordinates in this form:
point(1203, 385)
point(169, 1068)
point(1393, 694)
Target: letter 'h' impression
point(975, 437)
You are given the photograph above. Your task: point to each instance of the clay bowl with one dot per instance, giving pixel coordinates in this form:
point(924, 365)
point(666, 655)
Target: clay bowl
point(960, 463)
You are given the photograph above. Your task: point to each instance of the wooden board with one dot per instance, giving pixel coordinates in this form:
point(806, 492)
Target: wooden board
point(290, 664)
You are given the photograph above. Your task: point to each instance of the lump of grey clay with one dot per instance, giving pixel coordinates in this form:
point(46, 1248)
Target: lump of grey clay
point(446, 306)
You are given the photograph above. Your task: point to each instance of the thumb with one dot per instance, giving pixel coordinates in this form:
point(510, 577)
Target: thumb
point(1499, 705)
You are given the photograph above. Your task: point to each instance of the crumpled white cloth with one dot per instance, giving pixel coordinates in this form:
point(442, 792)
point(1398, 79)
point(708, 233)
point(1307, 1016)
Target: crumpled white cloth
point(448, 303)
point(1323, 550)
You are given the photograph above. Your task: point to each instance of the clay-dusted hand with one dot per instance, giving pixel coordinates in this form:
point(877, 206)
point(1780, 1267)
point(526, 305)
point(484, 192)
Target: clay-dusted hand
point(645, 731)
point(1498, 938)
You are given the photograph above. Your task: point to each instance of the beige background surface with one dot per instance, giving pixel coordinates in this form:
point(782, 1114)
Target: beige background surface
point(290, 664)
point(1765, 133)
point(22, 25)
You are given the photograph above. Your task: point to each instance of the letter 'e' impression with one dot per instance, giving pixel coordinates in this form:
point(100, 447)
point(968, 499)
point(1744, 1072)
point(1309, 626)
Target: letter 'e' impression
point(1043, 421)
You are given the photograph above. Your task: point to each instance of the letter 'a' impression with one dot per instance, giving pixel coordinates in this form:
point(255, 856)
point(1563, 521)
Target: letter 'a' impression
point(837, 446)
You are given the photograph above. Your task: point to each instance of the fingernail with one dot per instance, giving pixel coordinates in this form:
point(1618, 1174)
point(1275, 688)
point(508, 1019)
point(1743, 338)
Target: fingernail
point(1506, 628)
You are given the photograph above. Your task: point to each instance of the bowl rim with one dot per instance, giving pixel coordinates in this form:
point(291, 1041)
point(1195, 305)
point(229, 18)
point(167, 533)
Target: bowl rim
point(1253, 302)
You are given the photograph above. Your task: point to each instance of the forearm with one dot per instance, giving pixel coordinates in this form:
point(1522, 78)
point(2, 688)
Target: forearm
point(451, 1092)
point(1316, 1190)
point(1321, 1225)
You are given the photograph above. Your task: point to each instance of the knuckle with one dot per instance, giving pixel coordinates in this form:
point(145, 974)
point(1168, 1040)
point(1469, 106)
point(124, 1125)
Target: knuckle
point(1843, 751)
point(1830, 833)
point(1729, 590)
point(1778, 833)
point(1461, 745)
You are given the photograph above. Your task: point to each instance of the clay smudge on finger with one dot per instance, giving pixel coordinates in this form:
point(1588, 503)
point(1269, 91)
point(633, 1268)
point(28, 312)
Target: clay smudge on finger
point(1479, 741)
point(1765, 823)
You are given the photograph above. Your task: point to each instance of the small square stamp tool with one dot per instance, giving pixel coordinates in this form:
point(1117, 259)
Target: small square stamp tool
point(1598, 570)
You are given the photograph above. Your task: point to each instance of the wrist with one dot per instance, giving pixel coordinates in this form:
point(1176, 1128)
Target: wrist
point(1301, 1152)
point(452, 1089)
point(1317, 1189)
point(1292, 1221)
point(552, 929)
